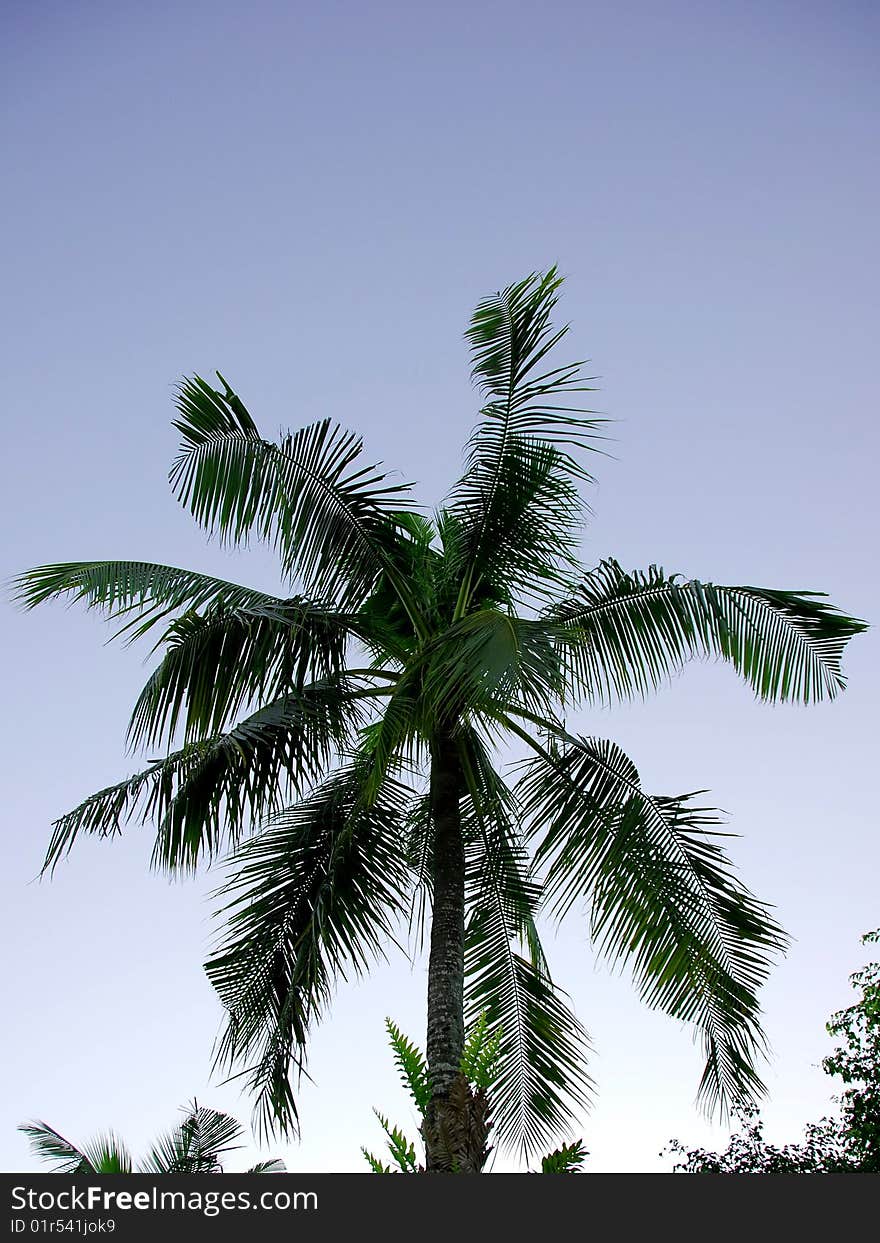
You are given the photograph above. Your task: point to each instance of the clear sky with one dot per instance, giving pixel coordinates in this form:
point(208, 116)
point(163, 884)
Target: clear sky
point(311, 198)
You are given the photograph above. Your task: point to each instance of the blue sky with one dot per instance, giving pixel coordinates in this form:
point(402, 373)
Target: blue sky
point(311, 198)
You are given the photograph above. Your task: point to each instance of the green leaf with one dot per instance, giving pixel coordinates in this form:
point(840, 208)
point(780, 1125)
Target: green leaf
point(662, 897)
point(567, 1159)
point(487, 658)
point(143, 591)
point(540, 1077)
point(330, 518)
point(49, 1145)
point(626, 633)
point(516, 506)
point(410, 1063)
point(312, 898)
point(375, 1164)
point(481, 1053)
point(208, 794)
point(402, 1150)
point(223, 659)
point(196, 1145)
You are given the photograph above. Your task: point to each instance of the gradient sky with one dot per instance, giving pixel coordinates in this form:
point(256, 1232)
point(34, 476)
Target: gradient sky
point(311, 198)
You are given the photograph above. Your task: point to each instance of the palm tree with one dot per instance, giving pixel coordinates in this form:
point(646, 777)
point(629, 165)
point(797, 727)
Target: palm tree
point(195, 1146)
point(343, 740)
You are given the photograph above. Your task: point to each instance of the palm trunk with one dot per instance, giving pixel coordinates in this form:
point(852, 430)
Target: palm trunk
point(446, 963)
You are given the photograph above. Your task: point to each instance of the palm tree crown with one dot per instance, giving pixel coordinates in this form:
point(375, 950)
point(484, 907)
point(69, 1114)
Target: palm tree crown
point(343, 740)
point(195, 1146)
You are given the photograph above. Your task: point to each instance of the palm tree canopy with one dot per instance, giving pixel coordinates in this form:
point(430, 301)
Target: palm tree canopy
point(297, 729)
point(105, 1154)
point(195, 1146)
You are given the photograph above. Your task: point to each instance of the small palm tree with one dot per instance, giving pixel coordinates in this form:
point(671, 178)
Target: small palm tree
point(343, 736)
point(195, 1146)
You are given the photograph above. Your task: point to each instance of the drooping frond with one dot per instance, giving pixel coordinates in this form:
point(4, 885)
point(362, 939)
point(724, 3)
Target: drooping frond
point(517, 505)
point(330, 517)
point(207, 794)
point(540, 1078)
point(398, 734)
point(196, 1145)
point(48, 1145)
point(418, 850)
point(314, 897)
point(662, 896)
point(218, 661)
point(623, 634)
point(105, 1154)
point(143, 591)
point(500, 873)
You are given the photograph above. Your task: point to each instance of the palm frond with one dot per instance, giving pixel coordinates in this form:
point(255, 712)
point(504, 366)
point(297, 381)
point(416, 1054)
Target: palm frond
point(222, 659)
point(107, 1154)
point(399, 734)
point(330, 518)
point(510, 335)
point(623, 634)
point(521, 468)
point(312, 898)
point(145, 592)
point(196, 1145)
point(662, 896)
point(514, 537)
point(487, 658)
point(418, 850)
point(540, 1079)
point(386, 618)
point(208, 794)
point(47, 1144)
